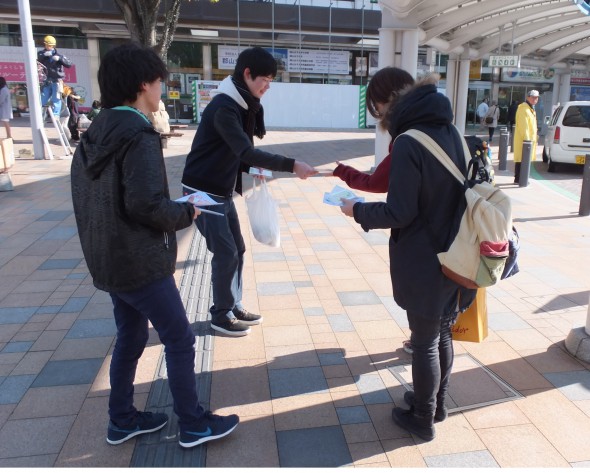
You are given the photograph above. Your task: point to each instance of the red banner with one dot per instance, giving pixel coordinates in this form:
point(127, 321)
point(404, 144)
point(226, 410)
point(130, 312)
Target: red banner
point(15, 72)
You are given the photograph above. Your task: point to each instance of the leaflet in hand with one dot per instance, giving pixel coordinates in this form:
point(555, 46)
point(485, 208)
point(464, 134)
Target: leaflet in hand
point(260, 172)
point(200, 199)
point(333, 197)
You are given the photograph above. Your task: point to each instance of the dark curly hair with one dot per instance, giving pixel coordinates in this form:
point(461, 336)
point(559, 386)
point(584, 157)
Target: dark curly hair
point(124, 69)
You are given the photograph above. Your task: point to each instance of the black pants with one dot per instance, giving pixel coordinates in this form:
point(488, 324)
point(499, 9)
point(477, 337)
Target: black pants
point(432, 361)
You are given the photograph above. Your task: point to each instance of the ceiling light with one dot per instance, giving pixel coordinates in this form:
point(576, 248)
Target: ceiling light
point(368, 42)
point(207, 33)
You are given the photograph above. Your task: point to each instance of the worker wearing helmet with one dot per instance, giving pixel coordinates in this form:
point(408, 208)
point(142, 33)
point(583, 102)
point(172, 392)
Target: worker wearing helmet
point(54, 64)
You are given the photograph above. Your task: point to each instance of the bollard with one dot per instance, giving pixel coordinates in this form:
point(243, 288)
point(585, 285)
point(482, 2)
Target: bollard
point(512, 139)
point(525, 165)
point(503, 151)
point(585, 196)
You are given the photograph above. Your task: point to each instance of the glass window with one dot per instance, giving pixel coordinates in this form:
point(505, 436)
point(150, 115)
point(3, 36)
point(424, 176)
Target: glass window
point(577, 116)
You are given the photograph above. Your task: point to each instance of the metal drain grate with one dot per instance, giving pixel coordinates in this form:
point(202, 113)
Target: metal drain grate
point(472, 384)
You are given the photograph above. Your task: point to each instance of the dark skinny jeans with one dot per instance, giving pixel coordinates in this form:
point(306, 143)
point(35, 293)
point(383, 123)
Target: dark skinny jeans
point(159, 303)
point(432, 361)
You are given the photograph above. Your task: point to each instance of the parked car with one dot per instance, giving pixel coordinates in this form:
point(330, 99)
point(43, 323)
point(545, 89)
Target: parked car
point(568, 134)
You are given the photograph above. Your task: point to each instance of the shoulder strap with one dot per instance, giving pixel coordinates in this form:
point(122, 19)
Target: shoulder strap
point(439, 154)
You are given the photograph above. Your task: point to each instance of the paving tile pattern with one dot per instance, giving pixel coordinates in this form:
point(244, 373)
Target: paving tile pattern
point(314, 385)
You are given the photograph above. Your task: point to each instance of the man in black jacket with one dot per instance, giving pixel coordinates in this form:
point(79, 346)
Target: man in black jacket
point(222, 148)
point(54, 64)
point(127, 226)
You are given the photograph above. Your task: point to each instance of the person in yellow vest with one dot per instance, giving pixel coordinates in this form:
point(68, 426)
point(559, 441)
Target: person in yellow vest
point(525, 130)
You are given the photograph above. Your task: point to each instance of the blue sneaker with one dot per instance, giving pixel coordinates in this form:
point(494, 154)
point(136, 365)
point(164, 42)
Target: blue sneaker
point(144, 423)
point(210, 427)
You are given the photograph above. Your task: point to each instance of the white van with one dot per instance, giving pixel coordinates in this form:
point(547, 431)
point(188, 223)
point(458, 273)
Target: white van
point(568, 134)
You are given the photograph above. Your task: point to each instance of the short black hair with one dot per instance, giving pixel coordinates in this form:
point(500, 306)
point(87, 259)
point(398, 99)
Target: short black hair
point(2, 82)
point(123, 70)
point(258, 60)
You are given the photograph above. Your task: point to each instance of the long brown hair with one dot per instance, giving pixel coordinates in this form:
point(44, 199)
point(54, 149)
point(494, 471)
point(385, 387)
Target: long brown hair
point(385, 87)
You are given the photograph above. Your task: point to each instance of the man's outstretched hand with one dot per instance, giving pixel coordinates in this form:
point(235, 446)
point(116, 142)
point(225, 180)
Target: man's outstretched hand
point(304, 170)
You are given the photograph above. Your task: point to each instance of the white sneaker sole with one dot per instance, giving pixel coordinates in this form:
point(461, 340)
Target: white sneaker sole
point(241, 333)
point(135, 434)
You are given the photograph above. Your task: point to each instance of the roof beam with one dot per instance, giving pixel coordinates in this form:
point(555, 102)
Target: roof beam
point(538, 43)
point(566, 51)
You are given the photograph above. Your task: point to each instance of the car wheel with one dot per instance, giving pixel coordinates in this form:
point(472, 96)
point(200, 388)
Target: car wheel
point(545, 157)
point(551, 166)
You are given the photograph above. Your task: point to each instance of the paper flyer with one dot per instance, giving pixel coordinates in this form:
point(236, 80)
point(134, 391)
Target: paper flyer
point(201, 199)
point(260, 172)
point(333, 197)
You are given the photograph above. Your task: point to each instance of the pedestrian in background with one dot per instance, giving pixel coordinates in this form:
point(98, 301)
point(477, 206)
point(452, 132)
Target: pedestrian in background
point(525, 130)
point(511, 119)
point(127, 227)
point(491, 119)
point(5, 106)
point(482, 109)
point(72, 102)
point(54, 63)
point(419, 216)
point(94, 111)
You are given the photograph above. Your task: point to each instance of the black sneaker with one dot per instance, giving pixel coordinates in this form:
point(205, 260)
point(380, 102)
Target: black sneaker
point(210, 427)
point(233, 328)
point(246, 317)
point(439, 415)
point(144, 423)
point(417, 425)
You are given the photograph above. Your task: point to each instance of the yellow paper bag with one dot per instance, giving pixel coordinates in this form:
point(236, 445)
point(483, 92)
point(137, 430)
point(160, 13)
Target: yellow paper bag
point(472, 325)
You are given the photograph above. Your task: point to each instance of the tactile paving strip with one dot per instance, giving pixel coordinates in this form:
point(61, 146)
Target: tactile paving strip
point(161, 449)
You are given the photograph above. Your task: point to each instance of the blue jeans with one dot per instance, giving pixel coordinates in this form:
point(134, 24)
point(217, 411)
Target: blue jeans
point(160, 303)
point(50, 90)
point(224, 240)
point(432, 361)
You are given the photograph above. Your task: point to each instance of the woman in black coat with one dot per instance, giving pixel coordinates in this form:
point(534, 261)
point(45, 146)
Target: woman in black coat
point(424, 204)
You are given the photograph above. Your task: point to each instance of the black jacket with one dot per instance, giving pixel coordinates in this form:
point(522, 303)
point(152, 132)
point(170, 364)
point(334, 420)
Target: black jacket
point(126, 220)
point(55, 69)
point(221, 148)
point(424, 203)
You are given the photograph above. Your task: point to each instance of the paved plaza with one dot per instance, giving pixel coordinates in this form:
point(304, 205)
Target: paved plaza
point(315, 384)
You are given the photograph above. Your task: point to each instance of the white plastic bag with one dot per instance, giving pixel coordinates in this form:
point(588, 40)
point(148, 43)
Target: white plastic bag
point(264, 215)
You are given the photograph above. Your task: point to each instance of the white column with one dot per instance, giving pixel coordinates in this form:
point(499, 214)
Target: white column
point(387, 57)
point(409, 50)
point(207, 62)
point(398, 47)
point(94, 61)
point(451, 76)
point(564, 88)
point(386, 47)
point(460, 109)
